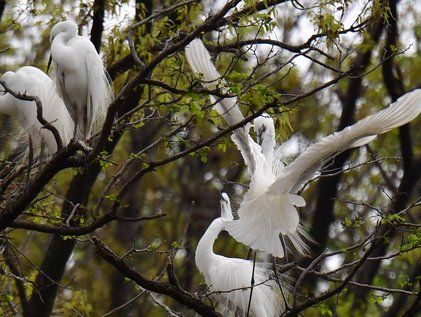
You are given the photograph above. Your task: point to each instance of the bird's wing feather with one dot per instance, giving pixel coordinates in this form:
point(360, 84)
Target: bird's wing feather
point(100, 93)
point(249, 149)
point(398, 113)
point(55, 112)
point(200, 62)
point(60, 80)
point(6, 103)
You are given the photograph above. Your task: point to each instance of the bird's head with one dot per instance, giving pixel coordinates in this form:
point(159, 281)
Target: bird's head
point(263, 126)
point(68, 27)
point(226, 213)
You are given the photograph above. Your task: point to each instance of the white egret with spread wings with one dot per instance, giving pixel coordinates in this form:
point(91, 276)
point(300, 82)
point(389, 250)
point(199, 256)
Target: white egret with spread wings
point(269, 207)
point(268, 210)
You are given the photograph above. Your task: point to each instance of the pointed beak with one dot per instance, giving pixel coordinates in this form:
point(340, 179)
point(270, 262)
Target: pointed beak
point(50, 59)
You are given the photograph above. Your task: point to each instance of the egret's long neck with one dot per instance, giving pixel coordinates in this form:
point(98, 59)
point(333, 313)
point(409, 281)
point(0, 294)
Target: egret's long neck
point(268, 144)
point(204, 250)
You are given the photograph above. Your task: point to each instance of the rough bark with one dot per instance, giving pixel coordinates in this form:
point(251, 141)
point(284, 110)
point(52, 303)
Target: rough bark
point(2, 6)
point(98, 23)
point(60, 250)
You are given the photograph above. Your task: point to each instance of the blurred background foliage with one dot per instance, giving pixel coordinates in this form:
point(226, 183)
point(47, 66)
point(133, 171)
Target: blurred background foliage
point(187, 190)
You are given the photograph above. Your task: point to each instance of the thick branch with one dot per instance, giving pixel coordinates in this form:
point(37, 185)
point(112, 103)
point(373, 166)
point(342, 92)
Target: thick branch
point(60, 161)
point(2, 6)
point(77, 231)
point(158, 287)
point(97, 23)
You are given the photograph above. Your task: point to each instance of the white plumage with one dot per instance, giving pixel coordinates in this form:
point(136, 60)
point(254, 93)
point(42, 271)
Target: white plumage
point(80, 77)
point(200, 62)
point(404, 110)
point(232, 276)
point(34, 82)
point(263, 217)
point(269, 207)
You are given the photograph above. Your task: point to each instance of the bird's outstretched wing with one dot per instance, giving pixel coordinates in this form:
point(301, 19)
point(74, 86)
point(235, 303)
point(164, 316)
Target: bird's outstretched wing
point(200, 62)
point(269, 207)
point(397, 114)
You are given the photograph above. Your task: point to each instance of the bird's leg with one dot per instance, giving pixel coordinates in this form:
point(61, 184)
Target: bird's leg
point(252, 284)
point(278, 281)
point(30, 161)
point(284, 248)
point(85, 148)
point(41, 155)
point(78, 138)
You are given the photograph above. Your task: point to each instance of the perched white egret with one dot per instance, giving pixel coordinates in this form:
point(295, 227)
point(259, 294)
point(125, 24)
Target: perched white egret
point(80, 77)
point(200, 62)
point(269, 207)
point(34, 82)
point(230, 278)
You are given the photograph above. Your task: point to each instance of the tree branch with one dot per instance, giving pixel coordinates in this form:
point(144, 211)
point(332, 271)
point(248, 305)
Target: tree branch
point(158, 287)
point(77, 231)
point(47, 125)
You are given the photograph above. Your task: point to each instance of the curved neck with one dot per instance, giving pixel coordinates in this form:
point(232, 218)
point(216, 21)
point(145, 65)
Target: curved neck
point(268, 145)
point(67, 35)
point(204, 250)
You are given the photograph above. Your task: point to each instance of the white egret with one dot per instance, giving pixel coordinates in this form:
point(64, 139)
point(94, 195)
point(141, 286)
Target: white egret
point(80, 77)
point(259, 158)
point(200, 62)
point(34, 82)
point(230, 278)
point(269, 207)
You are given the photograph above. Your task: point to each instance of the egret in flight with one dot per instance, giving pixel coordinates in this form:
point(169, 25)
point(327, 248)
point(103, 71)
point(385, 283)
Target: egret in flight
point(230, 278)
point(34, 82)
point(80, 77)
